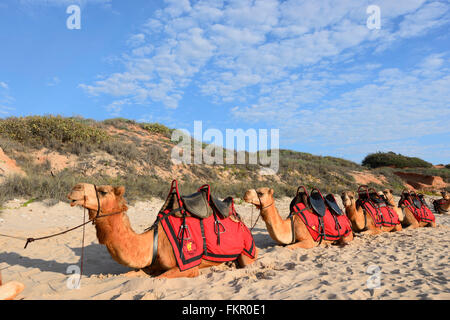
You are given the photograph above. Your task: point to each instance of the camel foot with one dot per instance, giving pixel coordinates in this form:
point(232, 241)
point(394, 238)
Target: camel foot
point(10, 290)
point(301, 244)
point(176, 273)
point(135, 273)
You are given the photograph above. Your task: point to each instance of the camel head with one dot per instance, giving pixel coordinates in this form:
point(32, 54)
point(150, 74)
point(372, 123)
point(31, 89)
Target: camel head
point(389, 194)
point(445, 195)
point(258, 197)
point(348, 199)
point(110, 198)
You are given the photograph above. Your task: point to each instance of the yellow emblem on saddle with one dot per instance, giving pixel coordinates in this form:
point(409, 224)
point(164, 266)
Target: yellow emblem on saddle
point(189, 246)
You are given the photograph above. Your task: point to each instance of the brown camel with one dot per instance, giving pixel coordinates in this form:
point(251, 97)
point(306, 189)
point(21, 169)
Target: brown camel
point(127, 247)
point(443, 205)
point(405, 215)
point(281, 230)
point(10, 290)
point(361, 220)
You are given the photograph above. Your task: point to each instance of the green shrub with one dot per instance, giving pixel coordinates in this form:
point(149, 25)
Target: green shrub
point(391, 159)
point(53, 132)
point(157, 128)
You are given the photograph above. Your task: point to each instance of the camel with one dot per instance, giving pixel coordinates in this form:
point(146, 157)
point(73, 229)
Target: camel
point(281, 230)
point(127, 247)
point(10, 290)
point(361, 220)
point(405, 215)
point(443, 205)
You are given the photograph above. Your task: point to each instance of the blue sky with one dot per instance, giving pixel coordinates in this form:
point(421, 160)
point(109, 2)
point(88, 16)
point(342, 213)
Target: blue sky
point(312, 69)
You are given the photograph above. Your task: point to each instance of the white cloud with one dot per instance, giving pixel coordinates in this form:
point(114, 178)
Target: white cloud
point(248, 52)
point(5, 99)
point(53, 81)
point(61, 3)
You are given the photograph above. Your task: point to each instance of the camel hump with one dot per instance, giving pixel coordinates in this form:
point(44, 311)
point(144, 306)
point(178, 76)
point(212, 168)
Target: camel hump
point(10, 290)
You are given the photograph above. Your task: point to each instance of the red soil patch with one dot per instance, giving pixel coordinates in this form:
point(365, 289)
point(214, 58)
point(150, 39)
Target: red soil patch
point(421, 181)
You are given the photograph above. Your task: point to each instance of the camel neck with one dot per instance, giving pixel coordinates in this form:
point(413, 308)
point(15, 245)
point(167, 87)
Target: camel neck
point(125, 246)
point(356, 216)
point(279, 229)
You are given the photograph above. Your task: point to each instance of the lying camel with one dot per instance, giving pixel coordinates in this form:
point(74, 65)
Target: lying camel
point(361, 220)
point(281, 230)
point(10, 290)
point(422, 217)
point(125, 246)
point(405, 215)
point(442, 205)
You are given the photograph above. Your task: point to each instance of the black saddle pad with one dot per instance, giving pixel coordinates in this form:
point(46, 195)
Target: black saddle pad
point(197, 204)
point(376, 198)
point(317, 203)
point(224, 207)
point(422, 199)
point(332, 204)
point(417, 202)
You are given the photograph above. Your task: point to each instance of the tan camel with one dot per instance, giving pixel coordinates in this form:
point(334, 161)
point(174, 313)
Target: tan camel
point(281, 230)
point(405, 215)
point(10, 290)
point(127, 247)
point(361, 220)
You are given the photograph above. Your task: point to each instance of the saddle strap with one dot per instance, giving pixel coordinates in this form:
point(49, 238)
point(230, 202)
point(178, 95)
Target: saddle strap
point(155, 243)
point(291, 216)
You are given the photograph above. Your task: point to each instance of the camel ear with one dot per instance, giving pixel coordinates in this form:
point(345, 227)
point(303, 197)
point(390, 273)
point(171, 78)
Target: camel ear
point(271, 191)
point(119, 191)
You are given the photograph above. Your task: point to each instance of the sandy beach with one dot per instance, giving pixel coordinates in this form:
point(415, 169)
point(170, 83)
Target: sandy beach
point(411, 264)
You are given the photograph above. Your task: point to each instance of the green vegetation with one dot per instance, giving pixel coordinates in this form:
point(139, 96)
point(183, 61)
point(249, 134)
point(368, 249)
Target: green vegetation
point(157, 128)
point(136, 162)
point(391, 159)
point(54, 132)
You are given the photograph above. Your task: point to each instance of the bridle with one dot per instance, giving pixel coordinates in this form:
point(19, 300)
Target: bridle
point(261, 208)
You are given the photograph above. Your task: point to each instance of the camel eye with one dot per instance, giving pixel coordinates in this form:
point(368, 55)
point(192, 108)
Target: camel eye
point(102, 193)
point(259, 193)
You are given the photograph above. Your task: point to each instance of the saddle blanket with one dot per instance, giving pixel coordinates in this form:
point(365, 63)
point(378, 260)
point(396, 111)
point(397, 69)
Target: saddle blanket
point(422, 214)
point(382, 215)
point(214, 238)
point(333, 227)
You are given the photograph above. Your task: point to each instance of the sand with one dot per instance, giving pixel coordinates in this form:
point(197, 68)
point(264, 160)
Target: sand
point(412, 264)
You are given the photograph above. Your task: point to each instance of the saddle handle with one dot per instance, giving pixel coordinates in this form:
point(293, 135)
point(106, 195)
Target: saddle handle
point(375, 192)
point(304, 189)
point(317, 190)
point(359, 191)
point(208, 190)
point(174, 186)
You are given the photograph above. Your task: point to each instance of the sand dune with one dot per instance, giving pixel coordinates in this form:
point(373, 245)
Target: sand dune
point(412, 264)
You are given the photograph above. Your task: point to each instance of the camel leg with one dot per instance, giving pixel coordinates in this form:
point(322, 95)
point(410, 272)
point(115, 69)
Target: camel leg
point(10, 290)
point(398, 227)
point(244, 260)
point(176, 273)
point(347, 239)
point(305, 244)
point(432, 224)
point(373, 231)
point(136, 273)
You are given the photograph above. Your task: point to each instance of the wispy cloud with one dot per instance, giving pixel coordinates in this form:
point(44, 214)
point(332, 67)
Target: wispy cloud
point(5, 99)
point(273, 61)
